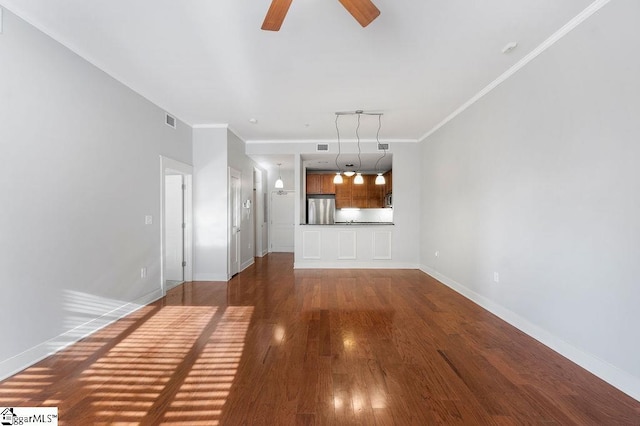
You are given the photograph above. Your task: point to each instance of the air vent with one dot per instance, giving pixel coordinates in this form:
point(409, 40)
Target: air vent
point(322, 147)
point(170, 121)
point(383, 147)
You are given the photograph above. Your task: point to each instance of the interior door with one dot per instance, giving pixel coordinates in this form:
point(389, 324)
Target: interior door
point(174, 229)
point(235, 194)
point(282, 221)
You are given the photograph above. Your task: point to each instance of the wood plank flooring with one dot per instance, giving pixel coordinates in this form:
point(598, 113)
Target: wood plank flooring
point(276, 346)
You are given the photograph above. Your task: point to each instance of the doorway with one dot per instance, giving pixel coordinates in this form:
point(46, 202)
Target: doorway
point(176, 219)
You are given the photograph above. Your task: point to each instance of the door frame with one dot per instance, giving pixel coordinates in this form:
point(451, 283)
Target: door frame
point(171, 166)
point(230, 209)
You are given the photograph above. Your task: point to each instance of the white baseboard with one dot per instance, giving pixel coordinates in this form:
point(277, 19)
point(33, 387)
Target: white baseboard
point(23, 360)
point(345, 264)
point(210, 277)
point(246, 264)
point(614, 376)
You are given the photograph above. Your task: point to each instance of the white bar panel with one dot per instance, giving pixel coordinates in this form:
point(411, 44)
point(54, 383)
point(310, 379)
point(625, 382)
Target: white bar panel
point(382, 245)
point(347, 246)
point(311, 244)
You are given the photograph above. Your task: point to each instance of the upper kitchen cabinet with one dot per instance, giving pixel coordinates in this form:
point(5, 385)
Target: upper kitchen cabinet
point(388, 179)
point(320, 184)
point(328, 187)
point(365, 196)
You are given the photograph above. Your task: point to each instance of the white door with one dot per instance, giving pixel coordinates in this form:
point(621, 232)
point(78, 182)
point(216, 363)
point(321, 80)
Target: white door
point(174, 229)
point(235, 194)
point(282, 221)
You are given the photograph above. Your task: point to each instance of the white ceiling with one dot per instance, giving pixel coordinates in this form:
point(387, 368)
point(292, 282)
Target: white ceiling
point(208, 62)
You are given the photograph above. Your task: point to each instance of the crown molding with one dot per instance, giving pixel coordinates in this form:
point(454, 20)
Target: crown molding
point(573, 23)
point(315, 141)
point(210, 126)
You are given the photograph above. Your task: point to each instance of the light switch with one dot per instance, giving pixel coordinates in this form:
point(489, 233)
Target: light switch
point(148, 220)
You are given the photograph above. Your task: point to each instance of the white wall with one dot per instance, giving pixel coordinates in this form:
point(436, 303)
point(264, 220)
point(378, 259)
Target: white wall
point(210, 204)
point(80, 170)
point(539, 181)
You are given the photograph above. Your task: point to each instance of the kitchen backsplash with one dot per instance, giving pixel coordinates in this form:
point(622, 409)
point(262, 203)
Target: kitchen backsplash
point(364, 215)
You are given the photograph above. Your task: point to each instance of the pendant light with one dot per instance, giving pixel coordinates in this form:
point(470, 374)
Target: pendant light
point(279, 182)
point(380, 179)
point(337, 179)
point(358, 180)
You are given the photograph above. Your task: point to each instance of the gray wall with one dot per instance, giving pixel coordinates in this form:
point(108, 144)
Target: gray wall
point(539, 181)
point(210, 204)
point(80, 169)
point(239, 161)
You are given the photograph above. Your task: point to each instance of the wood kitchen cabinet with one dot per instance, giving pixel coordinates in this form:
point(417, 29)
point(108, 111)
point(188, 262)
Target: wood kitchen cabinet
point(314, 184)
point(388, 182)
point(343, 193)
point(328, 187)
point(320, 184)
point(359, 194)
point(375, 193)
point(368, 195)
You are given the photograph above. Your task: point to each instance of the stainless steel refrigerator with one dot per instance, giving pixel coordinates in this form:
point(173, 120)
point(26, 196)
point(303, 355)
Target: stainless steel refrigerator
point(321, 210)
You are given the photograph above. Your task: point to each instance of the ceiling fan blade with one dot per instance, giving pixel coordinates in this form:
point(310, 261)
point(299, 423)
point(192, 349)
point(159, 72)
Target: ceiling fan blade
point(363, 10)
point(275, 16)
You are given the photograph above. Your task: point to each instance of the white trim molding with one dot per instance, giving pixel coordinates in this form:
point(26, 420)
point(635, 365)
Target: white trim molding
point(573, 23)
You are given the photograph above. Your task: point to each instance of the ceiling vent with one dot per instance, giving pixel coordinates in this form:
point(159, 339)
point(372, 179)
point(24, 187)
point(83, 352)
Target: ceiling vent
point(322, 147)
point(383, 147)
point(170, 120)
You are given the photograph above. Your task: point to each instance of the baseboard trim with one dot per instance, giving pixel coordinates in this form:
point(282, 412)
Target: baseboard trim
point(353, 265)
point(29, 357)
point(607, 372)
point(246, 264)
point(210, 277)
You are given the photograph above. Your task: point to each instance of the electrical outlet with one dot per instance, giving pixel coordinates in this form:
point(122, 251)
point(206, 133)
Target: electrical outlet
point(148, 220)
point(437, 253)
point(143, 272)
point(496, 277)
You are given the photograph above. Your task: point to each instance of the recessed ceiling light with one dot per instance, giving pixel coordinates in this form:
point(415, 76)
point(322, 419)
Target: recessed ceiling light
point(253, 121)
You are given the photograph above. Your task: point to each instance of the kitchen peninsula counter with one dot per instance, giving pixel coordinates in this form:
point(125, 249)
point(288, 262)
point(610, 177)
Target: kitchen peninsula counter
point(345, 245)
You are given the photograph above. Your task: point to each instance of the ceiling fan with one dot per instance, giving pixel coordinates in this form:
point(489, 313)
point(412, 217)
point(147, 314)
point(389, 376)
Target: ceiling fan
point(364, 11)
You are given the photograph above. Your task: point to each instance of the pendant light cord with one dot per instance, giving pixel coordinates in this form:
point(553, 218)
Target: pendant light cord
point(358, 139)
point(378, 142)
point(338, 132)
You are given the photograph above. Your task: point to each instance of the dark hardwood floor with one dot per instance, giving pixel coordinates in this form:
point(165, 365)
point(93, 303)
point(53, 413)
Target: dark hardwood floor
point(276, 346)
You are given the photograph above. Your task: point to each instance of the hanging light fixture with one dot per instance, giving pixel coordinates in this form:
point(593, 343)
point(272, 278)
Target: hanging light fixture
point(380, 178)
point(279, 182)
point(337, 179)
point(349, 173)
point(358, 180)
